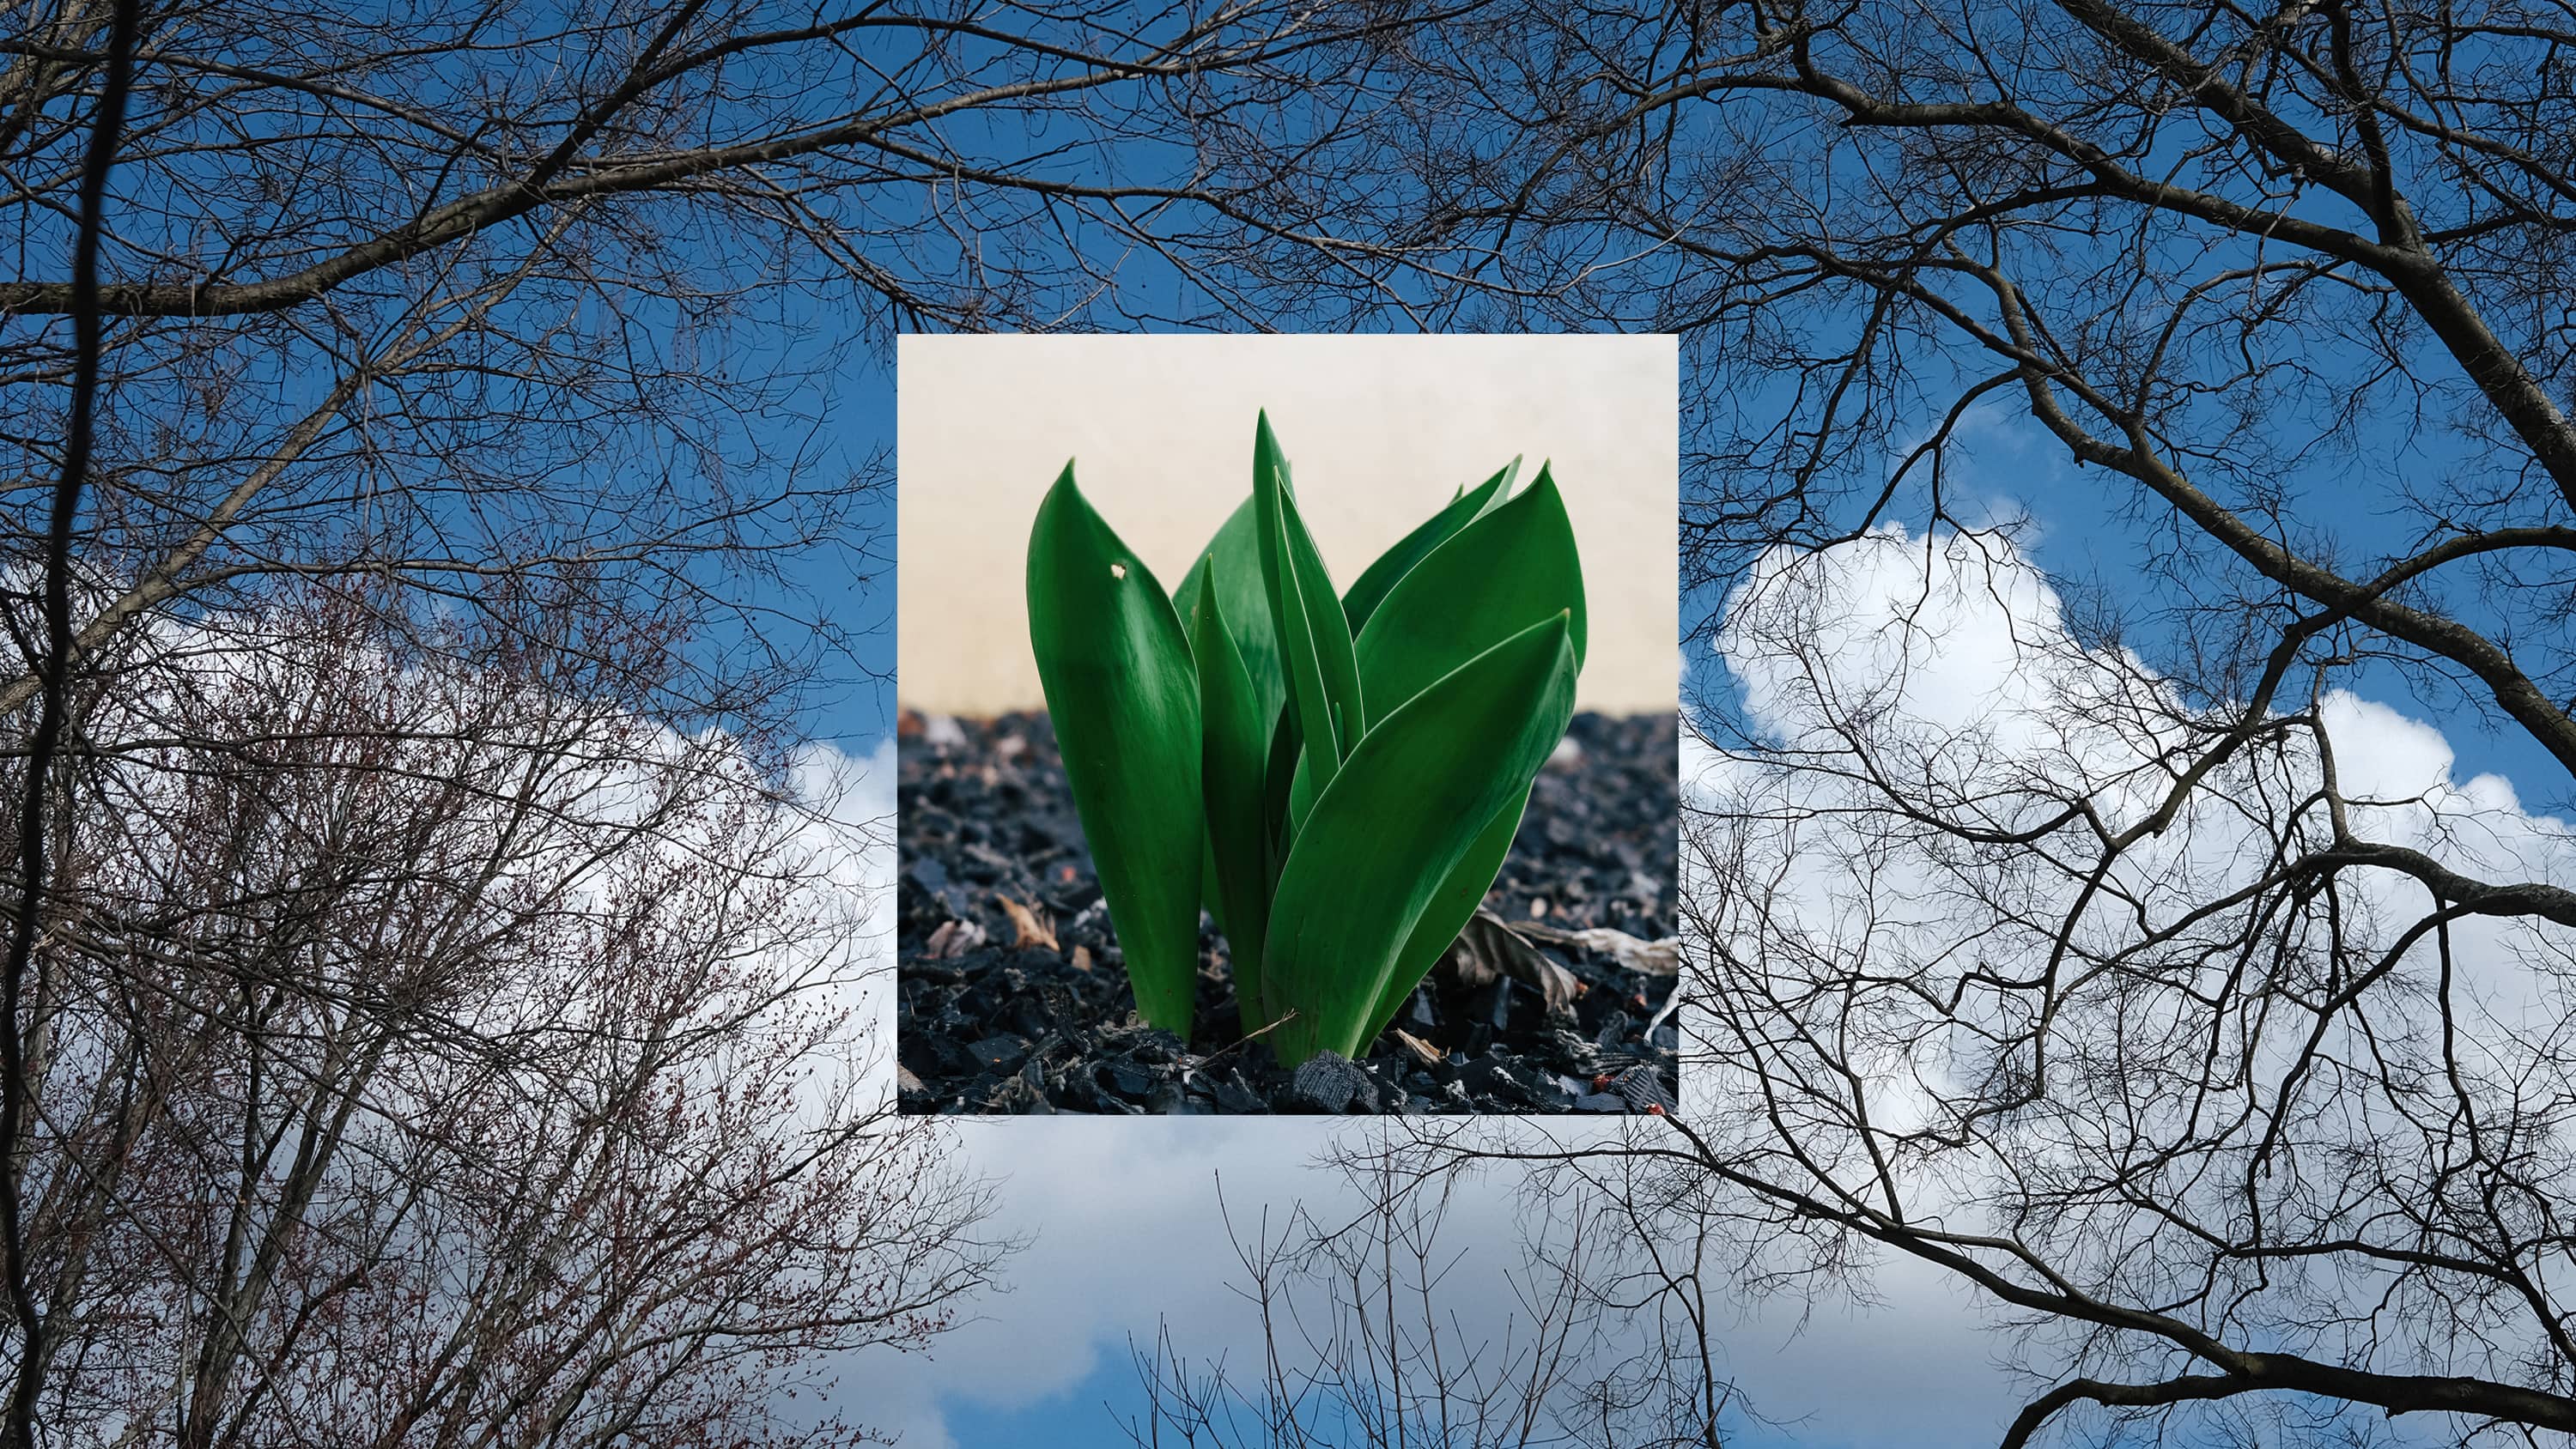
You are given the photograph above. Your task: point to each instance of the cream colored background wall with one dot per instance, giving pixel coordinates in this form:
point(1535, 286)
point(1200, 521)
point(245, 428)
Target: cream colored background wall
point(1380, 429)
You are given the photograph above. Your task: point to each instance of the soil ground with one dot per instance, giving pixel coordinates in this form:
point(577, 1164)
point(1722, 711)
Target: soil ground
point(1012, 998)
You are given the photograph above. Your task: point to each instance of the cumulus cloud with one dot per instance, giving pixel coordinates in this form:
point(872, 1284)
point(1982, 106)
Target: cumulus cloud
point(844, 838)
point(1941, 671)
point(1889, 850)
point(532, 936)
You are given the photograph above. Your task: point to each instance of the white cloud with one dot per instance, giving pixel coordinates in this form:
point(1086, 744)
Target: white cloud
point(636, 844)
point(1945, 665)
point(1942, 668)
point(846, 835)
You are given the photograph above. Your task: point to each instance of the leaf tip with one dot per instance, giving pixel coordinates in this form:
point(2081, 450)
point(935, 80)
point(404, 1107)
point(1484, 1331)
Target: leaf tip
point(1062, 493)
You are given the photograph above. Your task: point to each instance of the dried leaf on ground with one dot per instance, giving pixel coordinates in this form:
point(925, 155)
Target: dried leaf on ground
point(954, 939)
point(1423, 1051)
point(1489, 948)
point(1029, 928)
point(1635, 953)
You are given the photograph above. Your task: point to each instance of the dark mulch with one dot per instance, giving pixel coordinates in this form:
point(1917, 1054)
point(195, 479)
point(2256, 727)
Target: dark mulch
point(994, 1021)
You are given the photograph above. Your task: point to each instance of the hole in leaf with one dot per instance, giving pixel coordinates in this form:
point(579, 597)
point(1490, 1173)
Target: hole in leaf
point(1118, 571)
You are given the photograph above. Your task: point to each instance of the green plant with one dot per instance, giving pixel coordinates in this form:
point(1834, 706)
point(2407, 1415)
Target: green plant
point(1337, 777)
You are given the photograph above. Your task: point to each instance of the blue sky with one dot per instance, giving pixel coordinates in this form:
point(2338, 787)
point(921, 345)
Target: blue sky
point(1086, 1416)
point(864, 712)
point(1090, 1415)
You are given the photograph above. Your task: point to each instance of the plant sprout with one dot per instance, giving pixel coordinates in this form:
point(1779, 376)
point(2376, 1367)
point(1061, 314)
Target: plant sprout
point(1336, 777)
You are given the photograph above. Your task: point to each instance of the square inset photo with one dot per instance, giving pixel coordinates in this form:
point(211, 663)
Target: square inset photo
point(1288, 723)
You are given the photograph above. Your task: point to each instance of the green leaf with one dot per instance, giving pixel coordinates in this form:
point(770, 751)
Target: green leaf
point(1502, 569)
point(1306, 615)
point(1236, 742)
point(1380, 576)
point(1235, 550)
point(1496, 576)
point(1513, 564)
point(1235, 553)
point(1277, 779)
point(1124, 697)
point(1448, 911)
point(1405, 809)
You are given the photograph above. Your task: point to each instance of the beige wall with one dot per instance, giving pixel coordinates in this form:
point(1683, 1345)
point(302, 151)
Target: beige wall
point(1380, 429)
